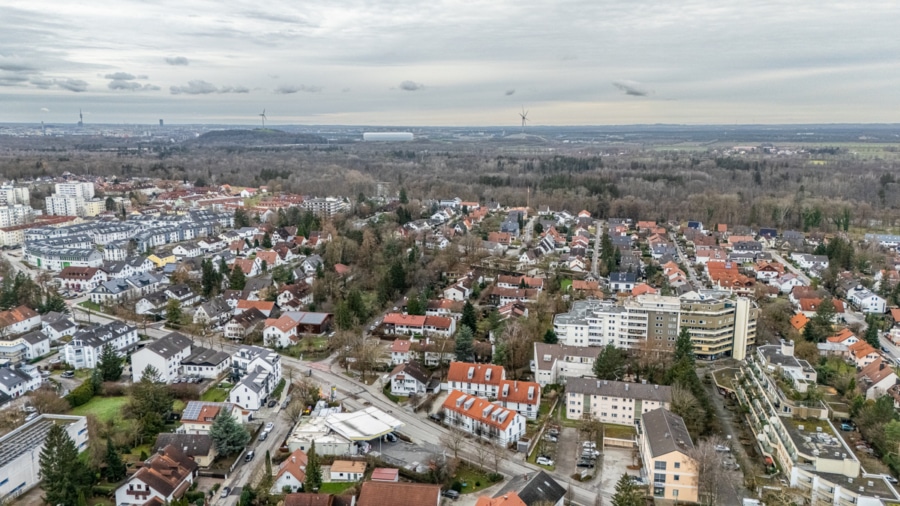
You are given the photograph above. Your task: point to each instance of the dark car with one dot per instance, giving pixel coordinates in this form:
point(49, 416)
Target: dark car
point(451, 494)
point(436, 417)
point(272, 403)
point(586, 463)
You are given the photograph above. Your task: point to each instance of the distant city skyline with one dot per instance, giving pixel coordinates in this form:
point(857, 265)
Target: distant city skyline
point(474, 63)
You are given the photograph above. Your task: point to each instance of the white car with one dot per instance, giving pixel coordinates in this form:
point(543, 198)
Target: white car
point(544, 461)
point(269, 427)
point(588, 444)
point(722, 448)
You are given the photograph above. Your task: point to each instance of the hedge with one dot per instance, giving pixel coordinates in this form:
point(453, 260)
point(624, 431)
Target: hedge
point(81, 395)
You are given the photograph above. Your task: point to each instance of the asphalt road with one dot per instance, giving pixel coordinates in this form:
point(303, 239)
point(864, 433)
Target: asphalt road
point(595, 261)
point(787, 265)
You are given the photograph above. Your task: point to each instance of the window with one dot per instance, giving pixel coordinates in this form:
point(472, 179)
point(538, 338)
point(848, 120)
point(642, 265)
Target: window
point(659, 478)
point(676, 477)
point(678, 465)
point(661, 466)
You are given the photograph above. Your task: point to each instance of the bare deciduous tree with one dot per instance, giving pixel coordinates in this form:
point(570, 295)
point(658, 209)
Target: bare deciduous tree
point(453, 440)
point(708, 468)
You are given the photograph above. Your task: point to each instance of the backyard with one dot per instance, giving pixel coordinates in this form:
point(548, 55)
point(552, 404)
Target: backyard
point(335, 487)
point(215, 394)
point(471, 479)
point(104, 408)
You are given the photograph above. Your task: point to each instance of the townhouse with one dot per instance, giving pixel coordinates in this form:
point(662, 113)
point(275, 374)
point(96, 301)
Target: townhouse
point(409, 379)
point(18, 320)
point(524, 397)
point(666, 448)
point(475, 379)
point(165, 478)
point(479, 417)
point(399, 323)
point(81, 279)
point(164, 354)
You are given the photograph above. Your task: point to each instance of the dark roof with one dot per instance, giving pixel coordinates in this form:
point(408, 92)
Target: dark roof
point(202, 356)
point(35, 337)
point(166, 471)
point(169, 345)
point(413, 369)
point(374, 493)
point(191, 444)
point(591, 386)
point(622, 277)
point(249, 317)
point(12, 377)
point(540, 488)
point(665, 432)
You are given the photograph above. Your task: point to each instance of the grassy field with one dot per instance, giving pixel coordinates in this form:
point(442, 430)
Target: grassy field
point(215, 394)
point(619, 431)
point(335, 487)
point(104, 408)
point(472, 479)
point(93, 306)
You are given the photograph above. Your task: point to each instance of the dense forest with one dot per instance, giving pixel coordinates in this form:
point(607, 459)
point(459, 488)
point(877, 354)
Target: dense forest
point(809, 188)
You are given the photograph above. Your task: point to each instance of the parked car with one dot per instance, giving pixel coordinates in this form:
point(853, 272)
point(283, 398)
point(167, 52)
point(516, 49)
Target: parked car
point(249, 456)
point(272, 403)
point(68, 374)
point(391, 437)
point(890, 479)
point(722, 448)
point(29, 409)
point(450, 494)
point(225, 492)
point(846, 427)
point(585, 463)
point(31, 416)
point(436, 417)
point(637, 480)
point(589, 444)
point(544, 461)
point(552, 439)
point(263, 435)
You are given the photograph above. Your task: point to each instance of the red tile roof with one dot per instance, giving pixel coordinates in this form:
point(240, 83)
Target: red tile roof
point(459, 371)
point(262, 305)
point(284, 323)
point(510, 498)
point(376, 493)
point(799, 320)
point(401, 346)
point(295, 464)
point(385, 474)
point(404, 319)
point(16, 315)
point(475, 408)
point(438, 322)
point(517, 391)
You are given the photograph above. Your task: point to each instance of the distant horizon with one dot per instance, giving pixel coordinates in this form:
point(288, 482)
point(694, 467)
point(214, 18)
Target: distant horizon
point(257, 126)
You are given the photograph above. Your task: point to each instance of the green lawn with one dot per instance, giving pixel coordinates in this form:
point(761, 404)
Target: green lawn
point(178, 405)
point(104, 408)
point(335, 487)
point(93, 306)
point(472, 478)
point(565, 285)
point(215, 395)
point(619, 431)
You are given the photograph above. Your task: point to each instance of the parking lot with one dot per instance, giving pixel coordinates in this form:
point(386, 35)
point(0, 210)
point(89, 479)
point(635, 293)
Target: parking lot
point(407, 455)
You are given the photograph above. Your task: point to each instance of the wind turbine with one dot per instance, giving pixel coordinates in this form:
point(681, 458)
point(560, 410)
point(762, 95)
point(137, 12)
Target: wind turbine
point(262, 116)
point(524, 116)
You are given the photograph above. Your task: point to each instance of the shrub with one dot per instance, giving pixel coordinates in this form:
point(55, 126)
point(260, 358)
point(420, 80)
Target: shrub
point(477, 483)
point(81, 395)
point(194, 496)
point(457, 486)
point(185, 392)
point(495, 477)
point(112, 389)
point(103, 490)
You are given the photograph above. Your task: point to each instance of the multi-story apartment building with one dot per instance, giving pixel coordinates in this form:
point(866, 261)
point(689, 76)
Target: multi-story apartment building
point(556, 363)
point(85, 348)
point(665, 446)
point(328, 206)
point(719, 326)
point(75, 189)
point(799, 438)
point(613, 401)
point(481, 418)
point(64, 205)
point(475, 379)
point(53, 258)
point(12, 195)
point(16, 214)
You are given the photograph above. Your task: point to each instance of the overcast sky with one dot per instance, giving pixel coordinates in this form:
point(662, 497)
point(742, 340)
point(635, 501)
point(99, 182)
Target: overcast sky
point(450, 62)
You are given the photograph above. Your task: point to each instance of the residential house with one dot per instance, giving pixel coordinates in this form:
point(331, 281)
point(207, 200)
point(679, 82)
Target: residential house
point(291, 473)
point(866, 301)
point(622, 281)
point(613, 401)
point(347, 470)
point(244, 323)
point(188, 250)
point(263, 306)
point(400, 351)
point(408, 379)
point(164, 354)
point(250, 267)
point(475, 379)
point(165, 477)
point(86, 346)
point(398, 323)
point(530, 489)
point(214, 312)
point(56, 325)
point(862, 354)
point(373, 493)
point(444, 307)
point(183, 294)
point(18, 320)
point(521, 396)
point(666, 449)
point(260, 370)
point(152, 303)
point(787, 282)
point(198, 447)
point(805, 261)
point(198, 416)
point(780, 357)
point(17, 382)
point(299, 292)
point(385, 474)
point(81, 279)
point(280, 332)
point(876, 378)
point(479, 417)
point(460, 291)
point(556, 363)
point(206, 363)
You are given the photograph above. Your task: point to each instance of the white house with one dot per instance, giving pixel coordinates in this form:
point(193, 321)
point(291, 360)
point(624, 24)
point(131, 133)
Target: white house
point(165, 355)
point(613, 401)
point(187, 250)
point(400, 351)
point(291, 473)
point(18, 320)
point(408, 379)
point(787, 282)
point(348, 470)
point(206, 363)
point(16, 382)
point(475, 379)
point(866, 301)
point(622, 281)
point(479, 417)
point(85, 348)
point(280, 332)
point(261, 372)
point(523, 397)
point(459, 291)
point(166, 477)
point(876, 379)
point(213, 312)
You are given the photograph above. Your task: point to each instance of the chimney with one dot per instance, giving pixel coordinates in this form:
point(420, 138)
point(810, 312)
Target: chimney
point(293, 459)
point(626, 387)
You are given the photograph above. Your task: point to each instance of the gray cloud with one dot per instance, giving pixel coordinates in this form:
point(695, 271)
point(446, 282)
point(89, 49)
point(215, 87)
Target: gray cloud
point(76, 85)
point(42, 83)
point(120, 76)
point(510, 92)
point(197, 87)
point(119, 84)
point(632, 88)
point(411, 86)
point(12, 78)
point(234, 89)
point(44, 109)
point(287, 89)
point(177, 60)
